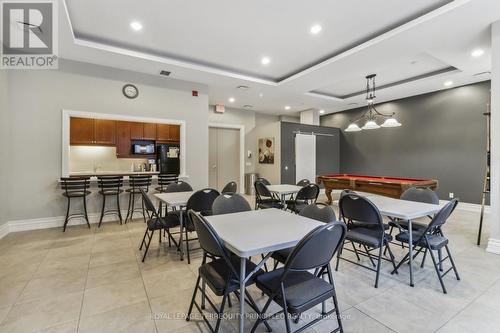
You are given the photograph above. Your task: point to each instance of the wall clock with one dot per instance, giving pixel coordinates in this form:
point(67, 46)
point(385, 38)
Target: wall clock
point(130, 91)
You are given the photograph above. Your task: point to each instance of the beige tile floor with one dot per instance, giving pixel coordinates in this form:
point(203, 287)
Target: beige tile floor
point(93, 281)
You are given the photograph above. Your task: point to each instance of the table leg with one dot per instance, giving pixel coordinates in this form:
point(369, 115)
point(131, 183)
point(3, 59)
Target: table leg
point(410, 251)
point(243, 265)
point(181, 225)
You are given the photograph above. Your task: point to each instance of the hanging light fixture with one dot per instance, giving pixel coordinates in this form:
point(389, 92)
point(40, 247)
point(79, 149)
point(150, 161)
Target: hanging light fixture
point(372, 114)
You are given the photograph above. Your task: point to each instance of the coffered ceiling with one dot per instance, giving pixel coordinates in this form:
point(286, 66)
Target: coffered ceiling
point(412, 46)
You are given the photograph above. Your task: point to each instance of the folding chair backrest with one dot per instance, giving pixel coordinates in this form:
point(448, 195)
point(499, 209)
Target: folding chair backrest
point(202, 201)
point(442, 216)
point(264, 180)
point(230, 187)
point(356, 208)
point(319, 212)
point(148, 204)
point(261, 190)
point(308, 193)
point(317, 248)
point(303, 182)
point(178, 186)
point(419, 194)
point(230, 203)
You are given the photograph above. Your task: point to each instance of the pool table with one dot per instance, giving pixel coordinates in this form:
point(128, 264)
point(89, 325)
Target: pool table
point(389, 186)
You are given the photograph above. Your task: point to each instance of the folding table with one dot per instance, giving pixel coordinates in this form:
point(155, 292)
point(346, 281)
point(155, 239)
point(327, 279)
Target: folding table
point(178, 200)
point(282, 190)
point(259, 232)
point(404, 210)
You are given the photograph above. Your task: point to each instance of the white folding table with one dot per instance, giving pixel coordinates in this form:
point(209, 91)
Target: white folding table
point(282, 190)
point(407, 211)
point(258, 232)
point(176, 200)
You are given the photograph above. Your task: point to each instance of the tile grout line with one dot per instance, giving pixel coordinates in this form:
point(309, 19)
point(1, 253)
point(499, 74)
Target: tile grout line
point(85, 285)
point(468, 304)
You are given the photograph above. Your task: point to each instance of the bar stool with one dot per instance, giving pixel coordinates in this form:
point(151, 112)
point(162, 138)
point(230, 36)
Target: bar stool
point(75, 187)
point(164, 180)
point(110, 186)
point(137, 183)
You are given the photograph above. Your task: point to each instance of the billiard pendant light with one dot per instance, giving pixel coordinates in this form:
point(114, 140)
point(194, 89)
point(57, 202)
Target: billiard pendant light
point(371, 115)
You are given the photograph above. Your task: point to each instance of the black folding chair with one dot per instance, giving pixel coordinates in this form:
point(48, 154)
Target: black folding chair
point(230, 187)
point(230, 203)
point(264, 198)
point(306, 195)
point(156, 222)
point(315, 211)
point(365, 227)
point(432, 239)
point(294, 288)
point(221, 274)
point(201, 201)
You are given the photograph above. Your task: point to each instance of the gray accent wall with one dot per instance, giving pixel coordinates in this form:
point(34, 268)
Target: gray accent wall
point(443, 137)
point(327, 150)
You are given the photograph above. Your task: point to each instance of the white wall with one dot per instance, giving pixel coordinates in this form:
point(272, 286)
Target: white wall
point(36, 99)
point(4, 146)
point(494, 242)
point(269, 126)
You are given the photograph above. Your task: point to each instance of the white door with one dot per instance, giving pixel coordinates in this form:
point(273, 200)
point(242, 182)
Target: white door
point(224, 157)
point(305, 157)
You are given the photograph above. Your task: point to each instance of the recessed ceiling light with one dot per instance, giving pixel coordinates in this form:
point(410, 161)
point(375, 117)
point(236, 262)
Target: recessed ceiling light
point(265, 61)
point(137, 26)
point(231, 99)
point(316, 29)
point(321, 111)
point(261, 95)
point(448, 83)
point(477, 53)
point(287, 107)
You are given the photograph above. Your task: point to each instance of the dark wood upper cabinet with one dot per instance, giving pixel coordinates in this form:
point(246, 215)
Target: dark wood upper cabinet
point(104, 132)
point(166, 132)
point(123, 145)
point(81, 131)
point(175, 133)
point(149, 131)
point(136, 131)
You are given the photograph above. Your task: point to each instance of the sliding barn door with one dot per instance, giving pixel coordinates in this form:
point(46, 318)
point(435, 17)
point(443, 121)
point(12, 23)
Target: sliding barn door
point(305, 157)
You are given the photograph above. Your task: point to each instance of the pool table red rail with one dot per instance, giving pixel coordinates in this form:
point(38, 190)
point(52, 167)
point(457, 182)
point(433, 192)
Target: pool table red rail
point(388, 186)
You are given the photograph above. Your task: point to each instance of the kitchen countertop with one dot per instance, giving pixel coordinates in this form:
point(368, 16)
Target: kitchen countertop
point(111, 173)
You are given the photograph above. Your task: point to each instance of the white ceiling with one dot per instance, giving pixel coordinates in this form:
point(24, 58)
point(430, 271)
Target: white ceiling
point(220, 43)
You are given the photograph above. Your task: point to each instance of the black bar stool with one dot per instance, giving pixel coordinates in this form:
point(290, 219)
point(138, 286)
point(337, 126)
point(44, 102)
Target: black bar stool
point(75, 187)
point(164, 180)
point(110, 186)
point(137, 183)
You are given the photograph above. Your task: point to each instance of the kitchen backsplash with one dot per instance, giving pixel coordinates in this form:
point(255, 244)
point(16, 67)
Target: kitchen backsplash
point(93, 158)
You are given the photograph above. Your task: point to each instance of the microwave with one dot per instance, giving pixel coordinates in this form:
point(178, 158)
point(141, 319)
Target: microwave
point(143, 149)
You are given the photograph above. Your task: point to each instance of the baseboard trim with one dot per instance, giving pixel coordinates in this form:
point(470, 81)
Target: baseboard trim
point(493, 246)
point(52, 222)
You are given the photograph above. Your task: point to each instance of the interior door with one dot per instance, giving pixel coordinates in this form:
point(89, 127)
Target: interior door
point(223, 157)
point(305, 157)
point(212, 158)
point(229, 157)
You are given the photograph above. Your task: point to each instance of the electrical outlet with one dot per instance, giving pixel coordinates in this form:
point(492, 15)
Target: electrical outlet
point(451, 195)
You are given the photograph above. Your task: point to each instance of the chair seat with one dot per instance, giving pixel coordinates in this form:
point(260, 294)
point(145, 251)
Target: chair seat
point(76, 194)
point(110, 192)
point(436, 242)
point(281, 255)
point(404, 225)
point(353, 225)
point(136, 190)
point(303, 290)
point(366, 236)
point(217, 272)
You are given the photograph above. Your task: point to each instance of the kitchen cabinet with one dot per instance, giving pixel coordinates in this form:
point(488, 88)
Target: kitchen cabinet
point(104, 132)
point(87, 131)
point(149, 131)
point(142, 131)
point(166, 132)
point(81, 131)
point(123, 145)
